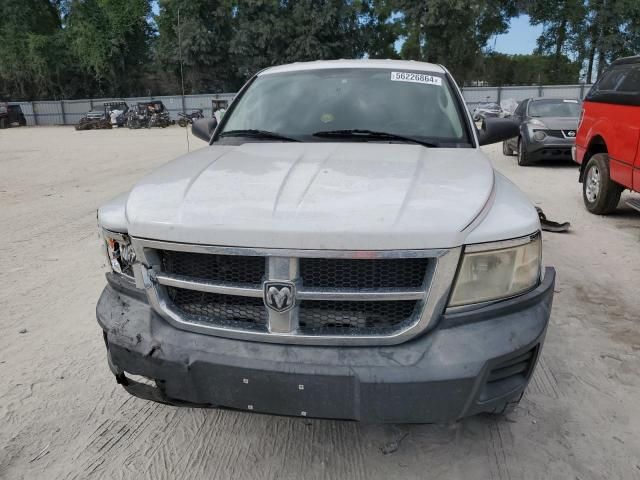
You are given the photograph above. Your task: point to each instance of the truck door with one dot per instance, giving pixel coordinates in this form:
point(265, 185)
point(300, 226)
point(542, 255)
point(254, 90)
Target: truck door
point(630, 88)
point(620, 89)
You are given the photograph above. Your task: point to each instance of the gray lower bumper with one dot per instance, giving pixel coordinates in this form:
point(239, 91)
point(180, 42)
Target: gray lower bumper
point(550, 150)
point(472, 362)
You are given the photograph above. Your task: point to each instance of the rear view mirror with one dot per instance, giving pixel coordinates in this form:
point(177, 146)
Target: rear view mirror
point(496, 130)
point(203, 128)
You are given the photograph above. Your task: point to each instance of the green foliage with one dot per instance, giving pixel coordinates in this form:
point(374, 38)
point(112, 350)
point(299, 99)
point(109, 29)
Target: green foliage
point(269, 32)
point(593, 32)
point(28, 32)
point(500, 69)
point(453, 32)
point(81, 48)
point(110, 40)
point(206, 28)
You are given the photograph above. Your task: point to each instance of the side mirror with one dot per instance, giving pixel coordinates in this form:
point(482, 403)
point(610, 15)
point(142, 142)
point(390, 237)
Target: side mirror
point(496, 130)
point(203, 128)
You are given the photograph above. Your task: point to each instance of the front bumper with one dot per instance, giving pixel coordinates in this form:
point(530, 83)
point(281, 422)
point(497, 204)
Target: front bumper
point(472, 362)
point(550, 149)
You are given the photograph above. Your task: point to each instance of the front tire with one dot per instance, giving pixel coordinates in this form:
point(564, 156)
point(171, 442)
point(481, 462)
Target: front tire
point(506, 150)
point(599, 193)
point(523, 156)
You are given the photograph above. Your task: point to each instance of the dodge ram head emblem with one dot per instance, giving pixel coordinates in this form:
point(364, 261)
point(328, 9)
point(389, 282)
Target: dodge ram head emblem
point(279, 296)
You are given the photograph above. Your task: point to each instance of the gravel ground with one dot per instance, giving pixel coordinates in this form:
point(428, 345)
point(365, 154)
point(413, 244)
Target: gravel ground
point(63, 416)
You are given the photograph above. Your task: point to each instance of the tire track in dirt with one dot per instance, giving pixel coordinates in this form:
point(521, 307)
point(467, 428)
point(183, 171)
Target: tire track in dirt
point(125, 427)
point(544, 381)
point(498, 450)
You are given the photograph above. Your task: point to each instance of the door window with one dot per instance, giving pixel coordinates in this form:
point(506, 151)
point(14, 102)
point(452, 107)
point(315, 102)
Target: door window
point(630, 83)
point(521, 108)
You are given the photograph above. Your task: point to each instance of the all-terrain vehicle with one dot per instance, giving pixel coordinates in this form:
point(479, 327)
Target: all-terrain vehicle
point(11, 115)
point(218, 107)
point(188, 118)
point(149, 114)
point(608, 137)
point(113, 114)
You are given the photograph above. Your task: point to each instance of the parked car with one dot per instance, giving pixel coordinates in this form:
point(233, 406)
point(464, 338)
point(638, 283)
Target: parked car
point(487, 110)
point(342, 249)
point(608, 138)
point(11, 116)
point(547, 130)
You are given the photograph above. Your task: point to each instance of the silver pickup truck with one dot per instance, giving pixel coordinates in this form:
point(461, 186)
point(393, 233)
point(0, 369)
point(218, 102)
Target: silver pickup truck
point(341, 249)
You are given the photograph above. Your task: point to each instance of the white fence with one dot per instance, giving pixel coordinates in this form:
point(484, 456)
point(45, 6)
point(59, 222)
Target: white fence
point(69, 112)
point(473, 95)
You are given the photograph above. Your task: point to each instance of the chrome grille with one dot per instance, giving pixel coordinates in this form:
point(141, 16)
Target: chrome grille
point(219, 268)
point(345, 318)
point(348, 297)
point(221, 310)
point(363, 273)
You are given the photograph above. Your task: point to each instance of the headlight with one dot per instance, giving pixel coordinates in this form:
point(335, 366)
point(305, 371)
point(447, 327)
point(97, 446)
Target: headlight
point(495, 271)
point(120, 253)
point(539, 135)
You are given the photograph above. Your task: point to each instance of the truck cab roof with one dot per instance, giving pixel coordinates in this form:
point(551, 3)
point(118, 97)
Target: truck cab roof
point(337, 64)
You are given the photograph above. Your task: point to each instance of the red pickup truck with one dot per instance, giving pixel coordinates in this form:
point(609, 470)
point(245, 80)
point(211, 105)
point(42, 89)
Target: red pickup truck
point(608, 138)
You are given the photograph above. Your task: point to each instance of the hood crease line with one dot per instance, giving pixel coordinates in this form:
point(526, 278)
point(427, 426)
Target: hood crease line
point(409, 191)
point(314, 176)
point(193, 179)
point(283, 184)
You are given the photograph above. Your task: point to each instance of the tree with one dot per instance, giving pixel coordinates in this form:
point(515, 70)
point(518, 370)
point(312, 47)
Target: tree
point(615, 30)
point(110, 40)
point(270, 32)
point(595, 32)
point(500, 69)
point(206, 28)
point(562, 21)
point(30, 34)
point(452, 32)
point(379, 30)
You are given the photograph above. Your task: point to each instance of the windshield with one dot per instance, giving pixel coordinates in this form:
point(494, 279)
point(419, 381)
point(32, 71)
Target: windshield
point(554, 108)
point(300, 104)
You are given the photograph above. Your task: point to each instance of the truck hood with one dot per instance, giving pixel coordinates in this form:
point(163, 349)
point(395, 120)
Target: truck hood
point(353, 196)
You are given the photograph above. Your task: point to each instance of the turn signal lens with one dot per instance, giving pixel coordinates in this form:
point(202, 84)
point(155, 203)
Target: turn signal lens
point(120, 253)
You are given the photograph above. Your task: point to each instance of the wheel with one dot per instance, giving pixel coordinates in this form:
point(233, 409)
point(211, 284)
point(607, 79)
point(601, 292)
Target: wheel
point(523, 156)
point(3, 123)
point(182, 122)
point(506, 149)
point(600, 194)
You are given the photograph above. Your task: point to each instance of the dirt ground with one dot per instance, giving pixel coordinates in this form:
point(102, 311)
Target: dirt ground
point(63, 416)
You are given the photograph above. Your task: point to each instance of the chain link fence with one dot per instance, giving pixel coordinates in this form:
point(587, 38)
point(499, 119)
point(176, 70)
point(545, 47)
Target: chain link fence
point(69, 112)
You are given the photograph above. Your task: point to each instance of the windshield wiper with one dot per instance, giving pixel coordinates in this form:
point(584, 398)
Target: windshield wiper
point(358, 133)
point(257, 134)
